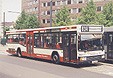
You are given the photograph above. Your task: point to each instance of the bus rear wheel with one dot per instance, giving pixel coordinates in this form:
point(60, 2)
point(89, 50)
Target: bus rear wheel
point(19, 53)
point(55, 58)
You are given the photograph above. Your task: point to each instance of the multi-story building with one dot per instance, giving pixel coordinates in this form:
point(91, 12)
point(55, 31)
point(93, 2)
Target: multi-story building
point(1, 29)
point(42, 8)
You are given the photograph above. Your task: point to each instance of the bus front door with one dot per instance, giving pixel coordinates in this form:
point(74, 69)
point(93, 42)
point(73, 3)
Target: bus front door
point(29, 43)
point(69, 48)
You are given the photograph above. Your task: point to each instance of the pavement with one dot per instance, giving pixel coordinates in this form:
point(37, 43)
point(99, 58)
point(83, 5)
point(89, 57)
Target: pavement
point(3, 49)
point(104, 68)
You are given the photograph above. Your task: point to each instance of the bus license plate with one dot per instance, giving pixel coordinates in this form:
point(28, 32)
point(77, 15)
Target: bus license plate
point(94, 61)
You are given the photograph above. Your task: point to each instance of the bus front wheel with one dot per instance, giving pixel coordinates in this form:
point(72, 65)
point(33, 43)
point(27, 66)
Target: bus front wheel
point(55, 58)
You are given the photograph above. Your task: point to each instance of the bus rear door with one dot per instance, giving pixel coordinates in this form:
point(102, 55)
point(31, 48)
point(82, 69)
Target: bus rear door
point(69, 47)
point(30, 43)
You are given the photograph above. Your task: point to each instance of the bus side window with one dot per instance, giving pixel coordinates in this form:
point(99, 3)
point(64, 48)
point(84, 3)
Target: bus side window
point(36, 42)
point(59, 41)
point(59, 45)
point(22, 40)
point(10, 40)
point(16, 39)
point(46, 43)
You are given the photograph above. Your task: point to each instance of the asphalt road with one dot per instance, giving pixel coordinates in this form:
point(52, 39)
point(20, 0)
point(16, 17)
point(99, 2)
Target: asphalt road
point(15, 67)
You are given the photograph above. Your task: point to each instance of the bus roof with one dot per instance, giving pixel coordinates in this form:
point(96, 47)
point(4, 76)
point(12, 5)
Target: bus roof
point(108, 29)
point(61, 28)
point(42, 29)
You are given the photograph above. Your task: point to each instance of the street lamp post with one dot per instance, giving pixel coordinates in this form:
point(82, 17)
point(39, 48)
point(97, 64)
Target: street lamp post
point(51, 4)
point(4, 14)
point(4, 32)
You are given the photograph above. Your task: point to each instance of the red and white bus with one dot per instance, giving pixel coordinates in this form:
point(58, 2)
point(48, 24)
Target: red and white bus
point(70, 44)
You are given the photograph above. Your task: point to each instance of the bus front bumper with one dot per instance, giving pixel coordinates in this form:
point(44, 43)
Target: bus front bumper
point(91, 59)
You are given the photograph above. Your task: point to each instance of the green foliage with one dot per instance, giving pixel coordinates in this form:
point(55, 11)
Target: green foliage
point(108, 13)
point(26, 21)
point(100, 20)
point(6, 28)
point(88, 14)
point(31, 22)
point(62, 17)
point(20, 22)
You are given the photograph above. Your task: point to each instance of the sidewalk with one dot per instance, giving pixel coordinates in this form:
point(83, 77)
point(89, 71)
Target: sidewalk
point(3, 49)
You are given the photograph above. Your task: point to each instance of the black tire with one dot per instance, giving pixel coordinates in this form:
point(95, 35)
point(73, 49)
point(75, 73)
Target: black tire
point(19, 53)
point(55, 58)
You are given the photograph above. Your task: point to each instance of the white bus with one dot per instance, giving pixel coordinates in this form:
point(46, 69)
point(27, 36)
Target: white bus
point(70, 44)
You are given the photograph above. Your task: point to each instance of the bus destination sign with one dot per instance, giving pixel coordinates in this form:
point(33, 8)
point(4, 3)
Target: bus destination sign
point(91, 29)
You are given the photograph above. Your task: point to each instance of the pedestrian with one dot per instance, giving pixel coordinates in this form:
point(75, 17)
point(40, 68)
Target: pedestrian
point(3, 41)
point(0, 39)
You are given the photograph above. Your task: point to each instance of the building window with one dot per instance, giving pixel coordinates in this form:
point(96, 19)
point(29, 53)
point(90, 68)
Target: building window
point(74, 10)
point(80, 1)
point(69, 2)
point(79, 10)
point(48, 4)
point(44, 4)
point(58, 3)
point(53, 4)
point(48, 20)
point(69, 10)
point(36, 9)
point(99, 8)
point(74, 1)
point(64, 2)
point(48, 12)
point(35, 0)
point(43, 21)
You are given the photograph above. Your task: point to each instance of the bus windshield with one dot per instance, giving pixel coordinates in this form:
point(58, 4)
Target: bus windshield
point(90, 42)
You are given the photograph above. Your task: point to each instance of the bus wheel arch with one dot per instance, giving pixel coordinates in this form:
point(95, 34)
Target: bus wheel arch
point(55, 57)
point(19, 54)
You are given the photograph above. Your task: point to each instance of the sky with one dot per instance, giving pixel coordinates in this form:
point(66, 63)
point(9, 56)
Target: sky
point(11, 5)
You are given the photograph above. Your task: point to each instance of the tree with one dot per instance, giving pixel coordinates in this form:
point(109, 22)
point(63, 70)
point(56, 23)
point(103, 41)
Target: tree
point(31, 22)
point(108, 13)
point(6, 28)
point(100, 20)
point(20, 22)
point(88, 14)
point(26, 21)
point(62, 17)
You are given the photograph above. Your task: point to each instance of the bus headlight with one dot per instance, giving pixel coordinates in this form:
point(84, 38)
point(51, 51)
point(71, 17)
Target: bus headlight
point(103, 56)
point(83, 58)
